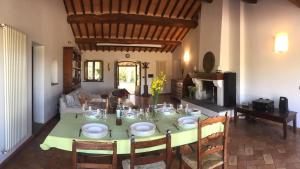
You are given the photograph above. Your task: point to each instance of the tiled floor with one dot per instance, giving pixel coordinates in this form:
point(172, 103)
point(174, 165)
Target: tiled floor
point(256, 145)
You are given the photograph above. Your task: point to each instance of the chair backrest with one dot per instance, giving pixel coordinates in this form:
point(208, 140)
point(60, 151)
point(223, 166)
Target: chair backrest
point(94, 146)
point(216, 147)
point(149, 158)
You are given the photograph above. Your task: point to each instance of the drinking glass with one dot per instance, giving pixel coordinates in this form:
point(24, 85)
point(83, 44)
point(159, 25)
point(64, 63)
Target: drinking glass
point(104, 115)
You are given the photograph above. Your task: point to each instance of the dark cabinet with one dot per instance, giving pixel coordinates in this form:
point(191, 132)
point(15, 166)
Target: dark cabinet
point(176, 89)
point(71, 69)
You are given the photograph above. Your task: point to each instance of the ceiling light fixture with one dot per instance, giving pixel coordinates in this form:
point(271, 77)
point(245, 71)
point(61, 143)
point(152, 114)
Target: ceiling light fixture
point(129, 45)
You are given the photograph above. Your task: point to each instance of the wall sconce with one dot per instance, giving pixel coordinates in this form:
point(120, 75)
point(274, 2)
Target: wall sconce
point(186, 56)
point(281, 43)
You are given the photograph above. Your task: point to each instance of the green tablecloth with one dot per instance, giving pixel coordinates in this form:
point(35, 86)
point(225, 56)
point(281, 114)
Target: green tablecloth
point(68, 127)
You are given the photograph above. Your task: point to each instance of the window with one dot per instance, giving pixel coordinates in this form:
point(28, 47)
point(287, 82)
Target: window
point(93, 70)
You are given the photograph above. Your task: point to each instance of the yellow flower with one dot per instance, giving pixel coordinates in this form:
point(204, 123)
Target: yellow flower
point(158, 84)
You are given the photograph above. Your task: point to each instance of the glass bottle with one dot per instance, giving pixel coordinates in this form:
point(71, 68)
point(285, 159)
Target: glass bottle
point(119, 113)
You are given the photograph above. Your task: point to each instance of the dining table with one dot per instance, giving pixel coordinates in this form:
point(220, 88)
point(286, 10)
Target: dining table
point(69, 129)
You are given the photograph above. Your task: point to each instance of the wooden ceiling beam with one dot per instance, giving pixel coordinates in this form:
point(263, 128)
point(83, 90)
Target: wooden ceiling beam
point(125, 31)
point(94, 31)
point(87, 30)
point(296, 2)
point(138, 7)
point(117, 32)
point(120, 6)
point(182, 8)
point(140, 32)
point(125, 41)
point(129, 5)
point(110, 6)
point(148, 6)
point(92, 6)
point(73, 7)
point(189, 9)
point(67, 10)
point(132, 19)
point(175, 6)
point(82, 7)
point(165, 8)
point(156, 8)
point(154, 32)
point(101, 5)
point(250, 1)
point(102, 31)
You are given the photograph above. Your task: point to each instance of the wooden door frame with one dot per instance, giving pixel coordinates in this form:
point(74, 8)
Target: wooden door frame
point(136, 64)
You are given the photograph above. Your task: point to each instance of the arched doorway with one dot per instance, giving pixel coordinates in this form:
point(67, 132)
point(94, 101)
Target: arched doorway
point(128, 76)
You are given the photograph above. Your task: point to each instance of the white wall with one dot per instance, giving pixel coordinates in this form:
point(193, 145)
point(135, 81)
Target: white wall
point(189, 44)
point(44, 22)
point(266, 74)
point(2, 117)
point(110, 58)
point(206, 37)
point(230, 40)
point(210, 30)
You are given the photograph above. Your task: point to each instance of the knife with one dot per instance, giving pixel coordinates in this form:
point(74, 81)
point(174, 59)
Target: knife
point(157, 128)
point(79, 132)
point(175, 126)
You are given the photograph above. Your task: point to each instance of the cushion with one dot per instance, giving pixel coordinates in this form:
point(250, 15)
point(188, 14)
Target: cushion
point(72, 101)
point(157, 165)
point(209, 162)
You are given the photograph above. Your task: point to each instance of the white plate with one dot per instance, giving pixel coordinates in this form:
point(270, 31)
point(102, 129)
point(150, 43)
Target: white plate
point(195, 112)
point(187, 122)
point(142, 129)
point(94, 130)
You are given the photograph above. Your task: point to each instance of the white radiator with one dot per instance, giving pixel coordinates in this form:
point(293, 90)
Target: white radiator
point(14, 86)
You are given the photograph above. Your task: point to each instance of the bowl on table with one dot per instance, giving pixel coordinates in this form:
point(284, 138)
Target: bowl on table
point(142, 129)
point(195, 112)
point(187, 122)
point(94, 130)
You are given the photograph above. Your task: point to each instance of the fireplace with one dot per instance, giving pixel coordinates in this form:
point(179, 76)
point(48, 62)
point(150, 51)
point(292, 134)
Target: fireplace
point(214, 88)
point(210, 91)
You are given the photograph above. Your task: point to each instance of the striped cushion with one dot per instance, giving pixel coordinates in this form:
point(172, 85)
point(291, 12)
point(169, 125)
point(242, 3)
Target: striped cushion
point(209, 162)
point(157, 165)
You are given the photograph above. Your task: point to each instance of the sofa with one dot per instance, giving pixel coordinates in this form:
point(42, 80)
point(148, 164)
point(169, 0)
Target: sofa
point(71, 102)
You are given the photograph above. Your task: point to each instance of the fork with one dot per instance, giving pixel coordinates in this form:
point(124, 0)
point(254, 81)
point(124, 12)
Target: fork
point(80, 130)
point(157, 128)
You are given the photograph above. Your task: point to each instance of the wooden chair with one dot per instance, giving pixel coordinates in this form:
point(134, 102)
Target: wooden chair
point(94, 146)
point(149, 160)
point(211, 150)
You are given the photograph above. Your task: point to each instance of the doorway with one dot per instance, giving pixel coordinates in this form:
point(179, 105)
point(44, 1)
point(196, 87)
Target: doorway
point(37, 87)
point(128, 76)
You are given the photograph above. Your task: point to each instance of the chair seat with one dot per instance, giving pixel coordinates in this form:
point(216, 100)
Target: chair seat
point(157, 165)
point(209, 162)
